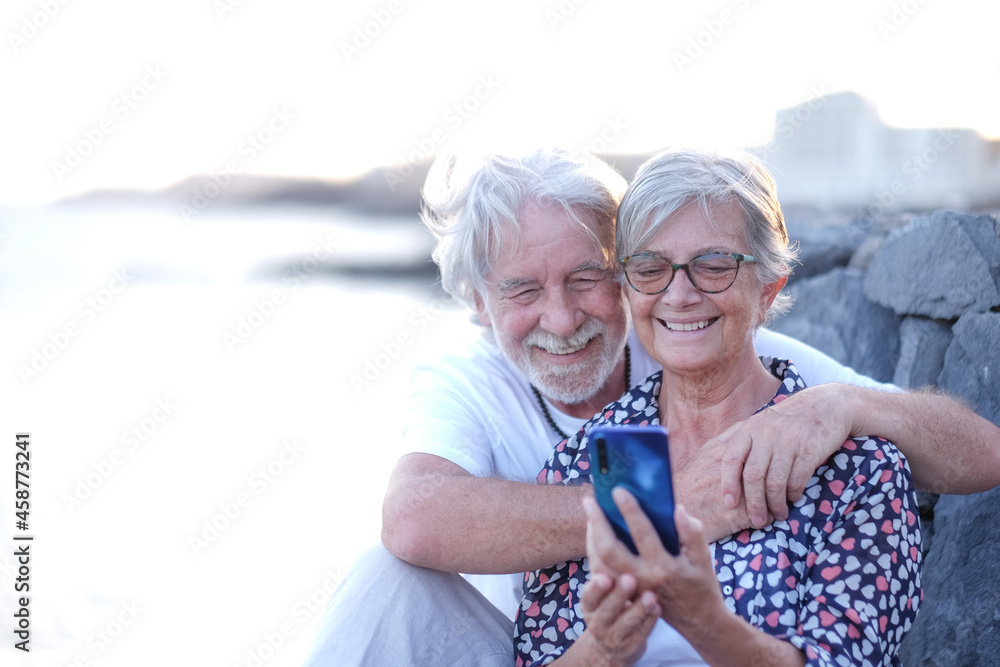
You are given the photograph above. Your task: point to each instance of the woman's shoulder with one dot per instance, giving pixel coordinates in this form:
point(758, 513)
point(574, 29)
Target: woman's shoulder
point(857, 457)
point(867, 461)
point(637, 400)
point(784, 370)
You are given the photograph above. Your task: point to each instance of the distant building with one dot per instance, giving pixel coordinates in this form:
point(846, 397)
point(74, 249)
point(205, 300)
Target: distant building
point(834, 151)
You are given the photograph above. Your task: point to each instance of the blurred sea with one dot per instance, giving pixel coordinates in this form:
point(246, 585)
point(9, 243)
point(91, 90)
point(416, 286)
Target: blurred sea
point(208, 453)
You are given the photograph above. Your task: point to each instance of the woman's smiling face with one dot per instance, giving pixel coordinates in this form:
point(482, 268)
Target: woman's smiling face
point(689, 331)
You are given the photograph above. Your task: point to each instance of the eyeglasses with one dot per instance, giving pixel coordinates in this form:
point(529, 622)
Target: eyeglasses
point(650, 273)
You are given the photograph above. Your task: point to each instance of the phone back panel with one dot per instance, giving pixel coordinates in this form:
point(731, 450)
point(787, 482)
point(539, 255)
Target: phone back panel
point(638, 459)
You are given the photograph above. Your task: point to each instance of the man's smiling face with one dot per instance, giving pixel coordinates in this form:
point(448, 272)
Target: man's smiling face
point(555, 307)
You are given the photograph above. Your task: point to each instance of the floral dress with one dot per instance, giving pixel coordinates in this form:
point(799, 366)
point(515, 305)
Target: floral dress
point(839, 579)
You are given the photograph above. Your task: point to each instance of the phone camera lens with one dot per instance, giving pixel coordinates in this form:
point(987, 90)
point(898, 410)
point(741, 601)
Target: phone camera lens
point(602, 454)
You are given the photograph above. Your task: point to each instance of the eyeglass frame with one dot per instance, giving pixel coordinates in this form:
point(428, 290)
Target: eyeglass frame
point(739, 257)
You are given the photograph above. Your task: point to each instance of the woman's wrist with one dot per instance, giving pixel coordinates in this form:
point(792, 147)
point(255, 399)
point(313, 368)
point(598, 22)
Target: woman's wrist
point(709, 625)
point(731, 641)
point(587, 651)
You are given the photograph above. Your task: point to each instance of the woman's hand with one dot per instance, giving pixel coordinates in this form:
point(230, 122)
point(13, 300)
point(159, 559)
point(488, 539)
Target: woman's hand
point(618, 620)
point(686, 587)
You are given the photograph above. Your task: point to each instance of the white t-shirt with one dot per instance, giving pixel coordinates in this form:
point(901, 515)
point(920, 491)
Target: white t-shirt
point(474, 408)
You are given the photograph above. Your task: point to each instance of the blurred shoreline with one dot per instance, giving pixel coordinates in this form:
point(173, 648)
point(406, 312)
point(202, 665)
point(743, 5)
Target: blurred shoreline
point(253, 324)
point(831, 153)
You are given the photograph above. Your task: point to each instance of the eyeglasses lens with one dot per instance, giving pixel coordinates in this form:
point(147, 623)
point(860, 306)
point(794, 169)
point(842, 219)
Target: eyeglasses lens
point(709, 273)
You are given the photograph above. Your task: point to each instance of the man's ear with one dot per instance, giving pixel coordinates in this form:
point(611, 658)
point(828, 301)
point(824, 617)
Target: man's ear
point(481, 312)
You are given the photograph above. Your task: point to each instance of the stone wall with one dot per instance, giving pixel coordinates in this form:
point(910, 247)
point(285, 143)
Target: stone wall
point(916, 301)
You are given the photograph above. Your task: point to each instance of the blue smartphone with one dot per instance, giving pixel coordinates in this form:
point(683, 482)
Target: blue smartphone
point(636, 458)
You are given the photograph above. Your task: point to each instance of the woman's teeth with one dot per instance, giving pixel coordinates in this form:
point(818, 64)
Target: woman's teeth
point(690, 326)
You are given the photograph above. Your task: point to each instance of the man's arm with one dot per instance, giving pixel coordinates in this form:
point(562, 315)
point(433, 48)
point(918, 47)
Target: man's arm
point(439, 516)
point(949, 447)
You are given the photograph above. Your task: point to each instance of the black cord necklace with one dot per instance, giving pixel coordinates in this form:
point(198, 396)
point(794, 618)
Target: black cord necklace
point(545, 410)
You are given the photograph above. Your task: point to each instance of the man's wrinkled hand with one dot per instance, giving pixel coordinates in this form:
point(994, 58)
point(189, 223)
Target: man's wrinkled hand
point(767, 460)
point(697, 485)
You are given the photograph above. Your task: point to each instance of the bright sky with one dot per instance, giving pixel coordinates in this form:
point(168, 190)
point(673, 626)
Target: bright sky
point(110, 93)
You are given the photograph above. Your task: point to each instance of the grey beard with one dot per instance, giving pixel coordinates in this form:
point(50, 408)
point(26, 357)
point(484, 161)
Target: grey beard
point(578, 385)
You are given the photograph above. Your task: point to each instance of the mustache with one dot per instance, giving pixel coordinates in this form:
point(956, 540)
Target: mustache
point(550, 342)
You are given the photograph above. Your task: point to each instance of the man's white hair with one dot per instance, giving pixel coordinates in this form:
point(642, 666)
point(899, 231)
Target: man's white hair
point(473, 209)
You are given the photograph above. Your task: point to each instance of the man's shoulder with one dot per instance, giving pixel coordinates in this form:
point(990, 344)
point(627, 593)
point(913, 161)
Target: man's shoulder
point(467, 403)
point(473, 375)
point(469, 354)
point(814, 366)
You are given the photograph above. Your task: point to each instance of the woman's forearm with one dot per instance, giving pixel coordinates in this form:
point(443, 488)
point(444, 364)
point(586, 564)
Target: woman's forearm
point(733, 642)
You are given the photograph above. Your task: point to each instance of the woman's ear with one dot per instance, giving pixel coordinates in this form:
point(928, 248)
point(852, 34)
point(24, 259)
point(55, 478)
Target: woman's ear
point(770, 293)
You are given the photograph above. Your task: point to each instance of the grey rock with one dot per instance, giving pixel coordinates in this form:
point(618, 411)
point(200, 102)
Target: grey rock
point(823, 248)
point(959, 618)
point(863, 256)
point(832, 314)
point(939, 265)
point(943, 266)
point(926, 501)
point(972, 363)
point(885, 222)
point(922, 346)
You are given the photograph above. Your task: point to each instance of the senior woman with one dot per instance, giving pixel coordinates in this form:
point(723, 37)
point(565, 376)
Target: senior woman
point(705, 254)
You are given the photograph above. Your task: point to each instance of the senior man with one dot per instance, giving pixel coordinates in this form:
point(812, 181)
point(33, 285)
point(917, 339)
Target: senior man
point(527, 242)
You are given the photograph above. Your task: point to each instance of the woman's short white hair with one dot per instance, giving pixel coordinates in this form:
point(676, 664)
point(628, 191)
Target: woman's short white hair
point(473, 209)
point(675, 178)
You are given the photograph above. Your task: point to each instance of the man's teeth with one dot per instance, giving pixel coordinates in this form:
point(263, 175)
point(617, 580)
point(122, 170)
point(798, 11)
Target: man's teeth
point(691, 326)
point(565, 350)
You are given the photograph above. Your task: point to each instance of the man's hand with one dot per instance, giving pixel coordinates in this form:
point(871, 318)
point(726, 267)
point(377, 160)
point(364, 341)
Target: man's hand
point(767, 460)
point(697, 484)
